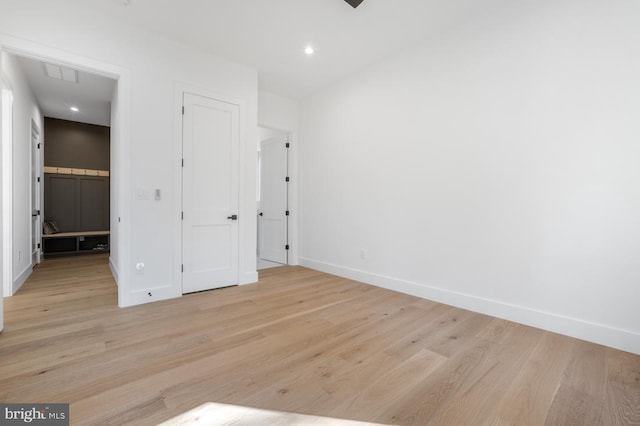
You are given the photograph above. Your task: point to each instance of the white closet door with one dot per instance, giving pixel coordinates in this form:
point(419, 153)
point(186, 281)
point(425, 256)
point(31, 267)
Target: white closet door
point(210, 193)
point(273, 200)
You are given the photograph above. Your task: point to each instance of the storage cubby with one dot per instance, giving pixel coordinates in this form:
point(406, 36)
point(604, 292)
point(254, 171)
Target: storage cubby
point(95, 244)
point(66, 243)
point(60, 245)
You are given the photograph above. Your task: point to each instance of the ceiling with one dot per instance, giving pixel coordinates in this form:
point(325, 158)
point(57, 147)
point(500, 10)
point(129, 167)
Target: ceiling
point(270, 35)
point(91, 94)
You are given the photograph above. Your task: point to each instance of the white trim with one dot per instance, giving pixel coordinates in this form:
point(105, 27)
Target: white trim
point(178, 93)
point(291, 205)
point(123, 194)
point(36, 234)
point(246, 275)
point(162, 292)
point(114, 270)
point(292, 158)
point(248, 278)
point(34, 50)
point(5, 224)
point(6, 215)
point(5, 83)
point(617, 338)
point(24, 275)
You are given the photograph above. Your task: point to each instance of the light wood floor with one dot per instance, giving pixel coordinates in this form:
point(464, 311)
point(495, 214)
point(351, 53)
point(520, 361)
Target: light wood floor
point(300, 341)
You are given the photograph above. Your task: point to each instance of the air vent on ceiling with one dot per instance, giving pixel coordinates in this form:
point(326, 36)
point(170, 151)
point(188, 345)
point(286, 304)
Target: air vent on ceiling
point(60, 73)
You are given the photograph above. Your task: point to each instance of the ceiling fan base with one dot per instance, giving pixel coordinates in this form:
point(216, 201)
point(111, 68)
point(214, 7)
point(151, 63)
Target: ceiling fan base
point(354, 3)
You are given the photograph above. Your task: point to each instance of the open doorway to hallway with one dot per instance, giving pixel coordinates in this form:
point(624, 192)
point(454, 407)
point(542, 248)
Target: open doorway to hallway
point(273, 198)
point(61, 171)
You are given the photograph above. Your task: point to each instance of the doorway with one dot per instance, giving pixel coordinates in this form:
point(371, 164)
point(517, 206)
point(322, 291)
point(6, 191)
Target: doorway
point(70, 173)
point(273, 198)
point(47, 90)
point(210, 196)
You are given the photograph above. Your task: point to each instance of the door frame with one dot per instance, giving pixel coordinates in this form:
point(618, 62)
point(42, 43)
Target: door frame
point(292, 192)
point(288, 136)
point(120, 138)
point(37, 186)
point(180, 89)
point(6, 213)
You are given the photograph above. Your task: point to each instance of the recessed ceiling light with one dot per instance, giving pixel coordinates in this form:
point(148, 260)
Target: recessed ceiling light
point(309, 50)
point(74, 109)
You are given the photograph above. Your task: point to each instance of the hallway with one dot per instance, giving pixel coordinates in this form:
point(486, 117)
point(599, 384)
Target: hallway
point(61, 288)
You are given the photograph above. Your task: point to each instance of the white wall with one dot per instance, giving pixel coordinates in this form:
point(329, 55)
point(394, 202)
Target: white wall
point(154, 68)
point(265, 133)
point(278, 112)
point(493, 168)
point(25, 109)
point(281, 113)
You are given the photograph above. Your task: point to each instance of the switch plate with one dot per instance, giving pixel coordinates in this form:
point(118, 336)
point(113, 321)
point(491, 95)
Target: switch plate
point(142, 194)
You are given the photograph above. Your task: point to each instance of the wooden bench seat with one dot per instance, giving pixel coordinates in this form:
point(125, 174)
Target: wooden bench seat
point(77, 234)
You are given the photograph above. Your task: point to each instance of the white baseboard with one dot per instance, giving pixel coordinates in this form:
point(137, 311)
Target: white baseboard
point(617, 338)
point(152, 293)
point(24, 275)
point(248, 278)
point(114, 270)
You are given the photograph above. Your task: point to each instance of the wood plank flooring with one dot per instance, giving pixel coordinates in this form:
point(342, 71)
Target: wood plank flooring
point(300, 341)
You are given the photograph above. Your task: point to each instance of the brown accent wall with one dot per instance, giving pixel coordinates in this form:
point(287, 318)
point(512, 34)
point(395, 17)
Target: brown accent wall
point(76, 145)
point(76, 203)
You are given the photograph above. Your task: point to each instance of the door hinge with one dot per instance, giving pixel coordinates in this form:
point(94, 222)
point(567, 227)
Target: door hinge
point(286, 213)
point(286, 179)
point(286, 247)
point(182, 268)
point(288, 145)
point(183, 110)
point(38, 178)
point(182, 215)
point(183, 162)
point(38, 146)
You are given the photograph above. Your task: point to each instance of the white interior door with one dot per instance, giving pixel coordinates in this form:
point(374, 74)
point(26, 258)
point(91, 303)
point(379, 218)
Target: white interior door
point(272, 219)
point(210, 194)
point(36, 208)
